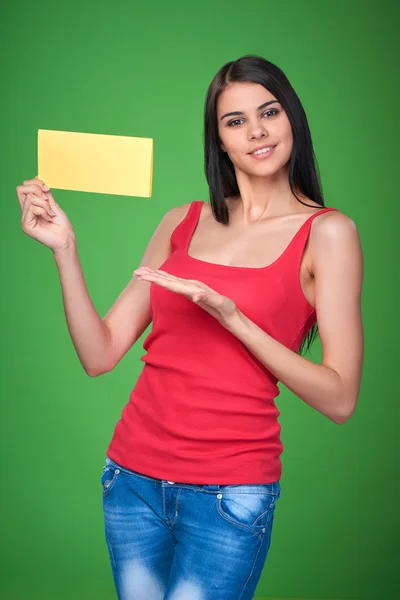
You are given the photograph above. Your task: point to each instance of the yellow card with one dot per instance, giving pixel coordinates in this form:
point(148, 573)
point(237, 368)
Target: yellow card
point(92, 162)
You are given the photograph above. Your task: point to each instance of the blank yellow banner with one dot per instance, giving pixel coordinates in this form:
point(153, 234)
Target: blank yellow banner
point(92, 162)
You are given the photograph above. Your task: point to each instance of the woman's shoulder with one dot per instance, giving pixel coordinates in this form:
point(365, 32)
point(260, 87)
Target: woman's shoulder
point(177, 214)
point(334, 225)
point(334, 217)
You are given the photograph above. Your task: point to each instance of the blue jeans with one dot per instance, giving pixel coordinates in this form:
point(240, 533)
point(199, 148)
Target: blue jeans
point(184, 541)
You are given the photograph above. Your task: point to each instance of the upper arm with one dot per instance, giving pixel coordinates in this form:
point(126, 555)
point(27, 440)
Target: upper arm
point(337, 265)
point(130, 315)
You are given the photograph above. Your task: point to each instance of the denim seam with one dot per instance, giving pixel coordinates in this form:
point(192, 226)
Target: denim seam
point(252, 568)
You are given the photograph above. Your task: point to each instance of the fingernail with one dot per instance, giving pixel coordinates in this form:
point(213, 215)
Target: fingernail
point(46, 188)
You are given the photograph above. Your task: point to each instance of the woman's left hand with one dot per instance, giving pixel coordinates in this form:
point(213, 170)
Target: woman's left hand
point(220, 307)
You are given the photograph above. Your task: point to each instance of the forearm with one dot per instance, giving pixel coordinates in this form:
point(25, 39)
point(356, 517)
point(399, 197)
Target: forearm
point(90, 336)
point(319, 386)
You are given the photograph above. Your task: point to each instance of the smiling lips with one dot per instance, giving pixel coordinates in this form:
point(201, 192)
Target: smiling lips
point(263, 153)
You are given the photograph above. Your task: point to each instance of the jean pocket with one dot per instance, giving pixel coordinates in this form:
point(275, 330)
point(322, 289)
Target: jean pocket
point(108, 477)
point(246, 508)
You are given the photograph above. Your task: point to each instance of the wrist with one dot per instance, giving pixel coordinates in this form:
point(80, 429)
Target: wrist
point(68, 249)
point(234, 321)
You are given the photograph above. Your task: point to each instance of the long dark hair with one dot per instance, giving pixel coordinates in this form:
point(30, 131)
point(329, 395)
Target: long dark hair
point(304, 176)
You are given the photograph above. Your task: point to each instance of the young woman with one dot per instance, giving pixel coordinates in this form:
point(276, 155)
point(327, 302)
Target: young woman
point(233, 288)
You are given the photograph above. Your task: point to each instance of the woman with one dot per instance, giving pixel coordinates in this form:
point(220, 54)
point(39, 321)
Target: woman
point(192, 472)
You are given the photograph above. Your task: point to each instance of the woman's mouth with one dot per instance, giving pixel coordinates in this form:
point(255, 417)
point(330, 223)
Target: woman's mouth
point(264, 153)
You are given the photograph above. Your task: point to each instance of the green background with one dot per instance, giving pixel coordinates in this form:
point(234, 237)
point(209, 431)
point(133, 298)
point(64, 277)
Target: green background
point(125, 68)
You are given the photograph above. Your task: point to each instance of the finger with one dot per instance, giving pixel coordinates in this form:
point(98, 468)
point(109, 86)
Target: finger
point(23, 190)
point(167, 274)
point(143, 271)
point(48, 196)
point(163, 274)
point(53, 204)
point(147, 270)
point(29, 187)
point(45, 215)
point(41, 202)
point(37, 211)
point(41, 183)
point(30, 212)
point(36, 181)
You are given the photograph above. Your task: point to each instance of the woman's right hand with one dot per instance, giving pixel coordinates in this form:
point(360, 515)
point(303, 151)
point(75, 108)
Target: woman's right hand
point(37, 205)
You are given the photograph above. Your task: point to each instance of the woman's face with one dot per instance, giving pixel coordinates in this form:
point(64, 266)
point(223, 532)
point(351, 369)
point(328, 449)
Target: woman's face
point(241, 134)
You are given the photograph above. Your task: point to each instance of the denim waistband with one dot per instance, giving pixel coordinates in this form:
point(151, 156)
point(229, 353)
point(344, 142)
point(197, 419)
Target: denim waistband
point(273, 487)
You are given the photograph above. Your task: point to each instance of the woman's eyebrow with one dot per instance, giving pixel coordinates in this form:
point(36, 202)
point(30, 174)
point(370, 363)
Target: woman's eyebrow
point(239, 112)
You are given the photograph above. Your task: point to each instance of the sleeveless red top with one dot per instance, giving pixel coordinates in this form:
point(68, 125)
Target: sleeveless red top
point(202, 410)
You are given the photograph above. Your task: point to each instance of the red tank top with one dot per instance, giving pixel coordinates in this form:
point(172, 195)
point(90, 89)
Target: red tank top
point(202, 410)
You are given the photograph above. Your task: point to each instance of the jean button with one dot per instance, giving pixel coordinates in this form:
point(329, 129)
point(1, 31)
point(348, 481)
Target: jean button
point(171, 482)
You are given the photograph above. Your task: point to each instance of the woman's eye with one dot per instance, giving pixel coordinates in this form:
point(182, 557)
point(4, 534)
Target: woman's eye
point(234, 121)
point(271, 110)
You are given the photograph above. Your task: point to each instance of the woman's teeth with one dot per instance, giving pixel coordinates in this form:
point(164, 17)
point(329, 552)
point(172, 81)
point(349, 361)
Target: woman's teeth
point(263, 150)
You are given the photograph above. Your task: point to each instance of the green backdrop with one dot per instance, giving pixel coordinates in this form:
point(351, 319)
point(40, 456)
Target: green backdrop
point(143, 69)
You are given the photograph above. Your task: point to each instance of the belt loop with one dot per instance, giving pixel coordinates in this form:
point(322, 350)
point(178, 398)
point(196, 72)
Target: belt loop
point(212, 487)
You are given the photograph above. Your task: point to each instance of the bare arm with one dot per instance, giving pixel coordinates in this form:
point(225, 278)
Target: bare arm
point(331, 388)
point(101, 343)
point(89, 334)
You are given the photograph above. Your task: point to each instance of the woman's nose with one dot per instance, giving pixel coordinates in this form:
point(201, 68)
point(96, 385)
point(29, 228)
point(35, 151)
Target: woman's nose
point(257, 130)
point(258, 133)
